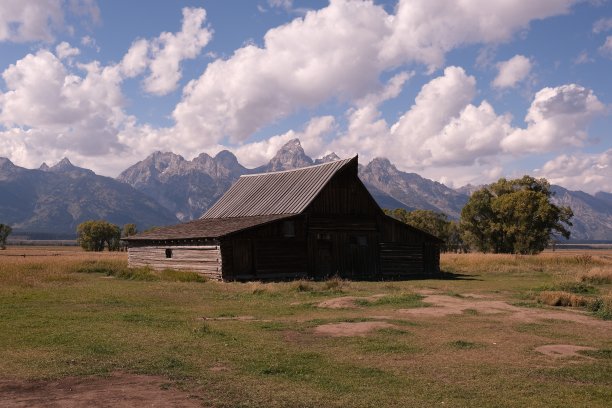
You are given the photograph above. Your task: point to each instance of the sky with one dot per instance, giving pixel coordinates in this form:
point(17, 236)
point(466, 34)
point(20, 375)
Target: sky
point(461, 92)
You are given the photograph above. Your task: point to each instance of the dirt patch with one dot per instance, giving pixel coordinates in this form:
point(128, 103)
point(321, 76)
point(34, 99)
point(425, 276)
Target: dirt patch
point(118, 390)
point(237, 318)
point(346, 302)
point(348, 329)
point(563, 350)
point(443, 305)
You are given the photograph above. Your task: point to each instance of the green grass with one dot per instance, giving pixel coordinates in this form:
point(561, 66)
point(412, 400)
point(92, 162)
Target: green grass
point(406, 300)
point(93, 316)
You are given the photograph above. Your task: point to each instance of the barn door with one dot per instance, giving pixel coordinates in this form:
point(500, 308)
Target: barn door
point(323, 264)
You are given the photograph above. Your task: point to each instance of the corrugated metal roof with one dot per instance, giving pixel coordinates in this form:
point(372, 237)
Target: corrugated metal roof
point(281, 192)
point(205, 228)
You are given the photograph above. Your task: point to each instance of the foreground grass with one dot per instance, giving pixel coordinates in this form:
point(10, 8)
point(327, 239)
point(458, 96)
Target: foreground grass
point(253, 344)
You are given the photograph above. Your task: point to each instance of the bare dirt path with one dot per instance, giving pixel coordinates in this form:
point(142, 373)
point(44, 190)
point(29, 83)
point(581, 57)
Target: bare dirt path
point(119, 390)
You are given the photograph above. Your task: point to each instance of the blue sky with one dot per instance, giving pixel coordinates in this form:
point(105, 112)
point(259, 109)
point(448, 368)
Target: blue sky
point(458, 92)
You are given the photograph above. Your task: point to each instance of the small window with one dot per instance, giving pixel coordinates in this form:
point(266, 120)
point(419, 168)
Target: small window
point(289, 229)
point(168, 253)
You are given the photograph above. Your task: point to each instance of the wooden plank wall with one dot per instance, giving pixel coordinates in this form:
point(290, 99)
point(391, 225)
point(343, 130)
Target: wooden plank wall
point(401, 259)
point(204, 259)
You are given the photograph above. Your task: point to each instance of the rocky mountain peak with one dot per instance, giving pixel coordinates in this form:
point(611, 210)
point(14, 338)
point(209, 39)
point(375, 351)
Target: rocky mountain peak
point(44, 167)
point(327, 158)
point(226, 158)
point(6, 163)
point(65, 166)
point(290, 156)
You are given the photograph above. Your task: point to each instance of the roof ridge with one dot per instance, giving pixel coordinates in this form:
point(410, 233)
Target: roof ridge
point(298, 169)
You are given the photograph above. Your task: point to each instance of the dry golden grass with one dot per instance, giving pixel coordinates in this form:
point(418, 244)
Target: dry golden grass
point(36, 266)
point(597, 276)
point(560, 298)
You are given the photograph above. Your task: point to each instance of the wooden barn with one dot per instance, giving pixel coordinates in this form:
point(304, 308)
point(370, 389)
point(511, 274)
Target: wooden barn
point(312, 222)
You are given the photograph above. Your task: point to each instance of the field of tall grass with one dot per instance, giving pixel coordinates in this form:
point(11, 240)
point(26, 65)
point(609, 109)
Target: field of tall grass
point(64, 312)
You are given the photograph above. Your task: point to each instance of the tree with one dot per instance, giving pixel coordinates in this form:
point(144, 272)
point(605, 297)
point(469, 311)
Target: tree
point(5, 231)
point(96, 235)
point(129, 230)
point(513, 216)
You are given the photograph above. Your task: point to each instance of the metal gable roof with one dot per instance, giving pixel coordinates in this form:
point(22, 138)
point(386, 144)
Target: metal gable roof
point(205, 228)
point(282, 192)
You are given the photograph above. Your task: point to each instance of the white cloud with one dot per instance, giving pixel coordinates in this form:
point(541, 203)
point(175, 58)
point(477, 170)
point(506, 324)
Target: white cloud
point(606, 48)
point(583, 58)
point(38, 20)
point(443, 127)
point(64, 50)
point(511, 72)
point(587, 172)
point(62, 109)
point(350, 44)
point(168, 50)
point(558, 117)
point(284, 4)
point(136, 60)
point(424, 30)
point(602, 25)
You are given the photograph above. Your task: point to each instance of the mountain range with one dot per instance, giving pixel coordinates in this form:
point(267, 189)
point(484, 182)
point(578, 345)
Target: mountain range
point(52, 201)
point(165, 188)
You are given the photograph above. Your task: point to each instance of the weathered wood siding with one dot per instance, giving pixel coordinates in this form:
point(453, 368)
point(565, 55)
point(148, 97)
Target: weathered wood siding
point(406, 252)
point(266, 253)
point(204, 259)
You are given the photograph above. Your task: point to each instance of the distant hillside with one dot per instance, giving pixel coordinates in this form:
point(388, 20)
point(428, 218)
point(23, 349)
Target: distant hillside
point(164, 188)
point(410, 189)
point(54, 200)
point(592, 214)
point(186, 188)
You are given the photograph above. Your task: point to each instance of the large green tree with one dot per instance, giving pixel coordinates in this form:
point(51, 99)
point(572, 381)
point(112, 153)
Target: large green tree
point(97, 235)
point(513, 216)
point(5, 231)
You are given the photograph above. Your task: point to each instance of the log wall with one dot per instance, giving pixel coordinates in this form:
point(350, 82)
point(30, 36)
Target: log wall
point(204, 259)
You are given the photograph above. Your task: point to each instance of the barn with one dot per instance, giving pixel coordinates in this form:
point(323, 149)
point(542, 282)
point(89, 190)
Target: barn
point(313, 222)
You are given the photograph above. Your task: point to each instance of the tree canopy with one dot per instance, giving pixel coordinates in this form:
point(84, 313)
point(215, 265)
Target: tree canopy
point(5, 231)
point(513, 216)
point(97, 235)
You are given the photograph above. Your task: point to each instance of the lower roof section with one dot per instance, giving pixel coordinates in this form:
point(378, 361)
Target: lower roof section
point(205, 228)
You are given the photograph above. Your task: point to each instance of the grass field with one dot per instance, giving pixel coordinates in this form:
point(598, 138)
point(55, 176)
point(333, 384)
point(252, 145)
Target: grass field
point(485, 335)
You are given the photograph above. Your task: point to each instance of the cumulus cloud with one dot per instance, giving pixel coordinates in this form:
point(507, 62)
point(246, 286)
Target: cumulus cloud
point(284, 4)
point(60, 108)
point(350, 44)
point(64, 50)
point(511, 72)
point(38, 20)
point(558, 117)
point(425, 30)
point(602, 25)
point(606, 48)
point(168, 50)
point(587, 172)
point(445, 129)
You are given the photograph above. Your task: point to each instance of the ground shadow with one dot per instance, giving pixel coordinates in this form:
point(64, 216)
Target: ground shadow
point(445, 275)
